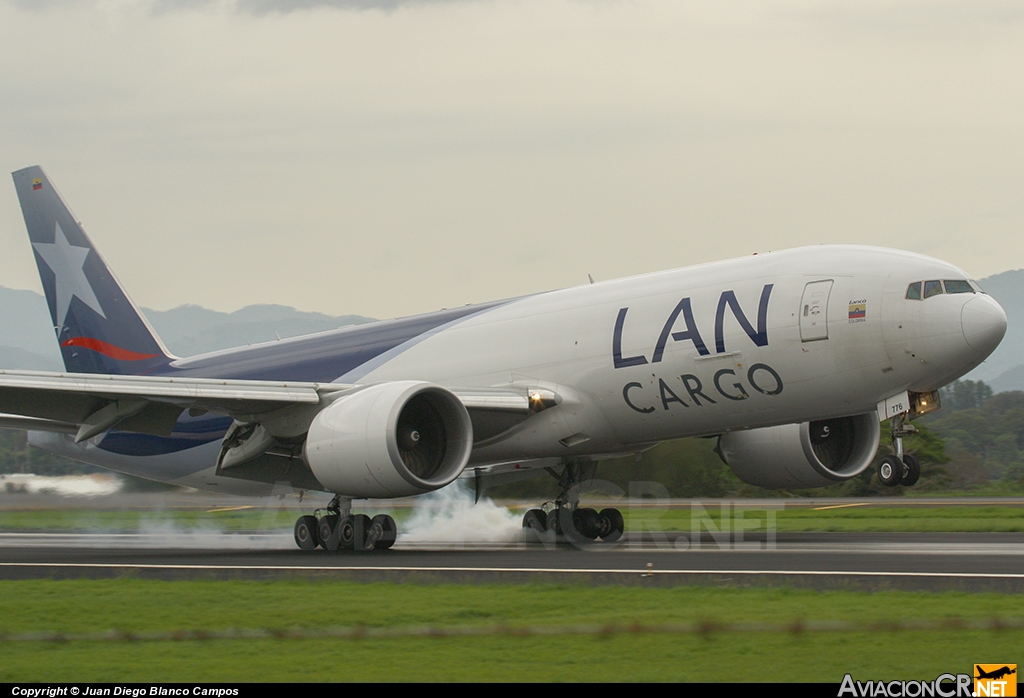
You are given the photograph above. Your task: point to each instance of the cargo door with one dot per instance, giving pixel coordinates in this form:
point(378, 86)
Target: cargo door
point(814, 311)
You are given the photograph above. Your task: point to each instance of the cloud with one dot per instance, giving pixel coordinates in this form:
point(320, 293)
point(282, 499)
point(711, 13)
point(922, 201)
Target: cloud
point(255, 7)
point(904, 15)
point(286, 6)
point(407, 155)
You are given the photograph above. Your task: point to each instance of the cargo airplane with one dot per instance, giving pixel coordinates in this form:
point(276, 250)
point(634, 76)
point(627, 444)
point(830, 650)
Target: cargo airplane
point(790, 359)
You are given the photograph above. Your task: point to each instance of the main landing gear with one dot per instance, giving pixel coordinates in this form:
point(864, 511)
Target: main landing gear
point(336, 528)
point(567, 518)
point(901, 468)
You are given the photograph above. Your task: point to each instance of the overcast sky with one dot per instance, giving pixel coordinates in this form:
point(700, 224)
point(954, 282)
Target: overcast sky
point(389, 158)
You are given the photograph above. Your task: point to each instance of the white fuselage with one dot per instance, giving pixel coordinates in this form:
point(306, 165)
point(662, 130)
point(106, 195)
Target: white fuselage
point(564, 341)
point(785, 337)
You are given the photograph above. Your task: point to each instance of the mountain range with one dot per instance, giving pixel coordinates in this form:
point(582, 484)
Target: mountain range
point(27, 340)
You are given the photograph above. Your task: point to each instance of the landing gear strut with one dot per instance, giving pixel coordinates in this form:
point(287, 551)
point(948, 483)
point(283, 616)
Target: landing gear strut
point(567, 518)
point(335, 528)
point(900, 468)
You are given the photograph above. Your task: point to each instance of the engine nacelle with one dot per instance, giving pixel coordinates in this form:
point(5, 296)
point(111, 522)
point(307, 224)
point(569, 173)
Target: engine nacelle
point(390, 440)
point(811, 454)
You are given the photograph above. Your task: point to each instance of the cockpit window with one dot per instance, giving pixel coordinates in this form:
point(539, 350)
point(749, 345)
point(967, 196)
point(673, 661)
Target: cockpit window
point(957, 286)
point(935, 288)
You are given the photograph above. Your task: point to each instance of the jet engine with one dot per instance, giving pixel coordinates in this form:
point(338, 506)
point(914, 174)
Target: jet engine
point(811, 454)
point(390, 440)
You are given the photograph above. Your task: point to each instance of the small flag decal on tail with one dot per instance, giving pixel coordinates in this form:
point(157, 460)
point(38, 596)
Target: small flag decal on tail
point(37, 183)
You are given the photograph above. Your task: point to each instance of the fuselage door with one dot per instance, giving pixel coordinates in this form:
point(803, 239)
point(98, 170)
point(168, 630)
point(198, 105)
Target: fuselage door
point(814, 311)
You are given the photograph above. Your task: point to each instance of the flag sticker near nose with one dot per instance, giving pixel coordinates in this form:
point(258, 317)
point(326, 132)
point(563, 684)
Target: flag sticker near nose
point(858, 310)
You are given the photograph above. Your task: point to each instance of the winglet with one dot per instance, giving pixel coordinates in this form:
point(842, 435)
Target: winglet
point(98, 327)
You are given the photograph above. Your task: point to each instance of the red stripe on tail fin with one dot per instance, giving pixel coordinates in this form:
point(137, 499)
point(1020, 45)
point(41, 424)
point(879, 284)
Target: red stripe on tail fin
point(106, 349)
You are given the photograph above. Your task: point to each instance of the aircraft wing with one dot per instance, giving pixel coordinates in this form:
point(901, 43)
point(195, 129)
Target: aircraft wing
point(88, 404)
point(150, 404)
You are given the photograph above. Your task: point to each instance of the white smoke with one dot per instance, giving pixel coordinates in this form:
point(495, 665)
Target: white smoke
point(450, 516)
point(170, 535)
point(98, 485)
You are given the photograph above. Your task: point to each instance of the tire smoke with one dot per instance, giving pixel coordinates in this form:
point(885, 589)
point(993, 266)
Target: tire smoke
point(450, 516)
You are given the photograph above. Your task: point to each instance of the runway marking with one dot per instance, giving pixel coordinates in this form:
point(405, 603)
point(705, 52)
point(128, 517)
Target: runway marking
point(642, 572)
point(841, 506)
point(216, 511)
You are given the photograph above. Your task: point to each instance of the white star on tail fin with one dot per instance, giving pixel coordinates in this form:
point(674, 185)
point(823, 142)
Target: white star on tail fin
point(67, 263)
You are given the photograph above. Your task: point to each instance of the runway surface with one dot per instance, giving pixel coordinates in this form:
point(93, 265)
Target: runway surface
point(930, 561)
point(968, 561)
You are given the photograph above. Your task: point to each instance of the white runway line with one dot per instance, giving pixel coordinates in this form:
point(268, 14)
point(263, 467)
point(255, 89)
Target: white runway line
point(172, 539)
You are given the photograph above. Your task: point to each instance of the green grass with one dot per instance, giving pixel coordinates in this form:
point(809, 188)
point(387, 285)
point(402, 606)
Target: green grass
point(135, 520)
point(740, 658)
point(76, 607)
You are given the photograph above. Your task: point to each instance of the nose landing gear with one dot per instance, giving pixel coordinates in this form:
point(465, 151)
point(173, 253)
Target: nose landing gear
point(901, 468)
point(336, 528)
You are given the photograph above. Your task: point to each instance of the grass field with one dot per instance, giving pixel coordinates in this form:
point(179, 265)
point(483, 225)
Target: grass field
point(182, 631)
point(918, 515)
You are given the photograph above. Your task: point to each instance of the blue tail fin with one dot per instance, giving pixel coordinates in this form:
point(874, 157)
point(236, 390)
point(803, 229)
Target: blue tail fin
point(98, 327)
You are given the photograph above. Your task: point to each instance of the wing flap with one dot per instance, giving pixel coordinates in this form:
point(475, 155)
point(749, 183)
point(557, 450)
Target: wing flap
point(185, 390)
point(11, 421)
point(149, 404)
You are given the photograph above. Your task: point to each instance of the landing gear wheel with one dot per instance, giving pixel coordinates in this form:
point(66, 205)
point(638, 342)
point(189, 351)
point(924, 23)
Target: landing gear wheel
point(389, 531)
point(890, 471)
point(345, 533)
point(325, 529)
point(587, 523)
point(306, 536)
point(913, 470)
point(535, 520)
point(364, 538)
point(558, 520)
point(612, 525)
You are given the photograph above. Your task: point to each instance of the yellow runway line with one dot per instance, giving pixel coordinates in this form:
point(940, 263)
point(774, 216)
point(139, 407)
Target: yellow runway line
point(841, 506)
point(216, 511)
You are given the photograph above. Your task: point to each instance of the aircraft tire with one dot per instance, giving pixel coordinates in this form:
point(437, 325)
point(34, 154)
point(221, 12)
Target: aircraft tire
point(587, 523)
point(536, 520)
point(325, 529)
point(361, 525)
point(389, 529)
point(554, 519)
point(913, 470)
point(306, 534)
point(346, 533)
point(612, 525)
point(890, 471)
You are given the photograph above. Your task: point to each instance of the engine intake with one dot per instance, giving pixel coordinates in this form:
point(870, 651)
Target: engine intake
point(811, 454)
point(390, 440)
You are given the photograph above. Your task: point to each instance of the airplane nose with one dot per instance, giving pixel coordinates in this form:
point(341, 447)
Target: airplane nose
point(984, 323)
